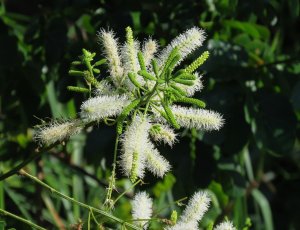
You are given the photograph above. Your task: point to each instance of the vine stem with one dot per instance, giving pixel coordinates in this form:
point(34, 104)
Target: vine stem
point(88, 207)
point(33, 157)
point(113, 173)
point(6, 213)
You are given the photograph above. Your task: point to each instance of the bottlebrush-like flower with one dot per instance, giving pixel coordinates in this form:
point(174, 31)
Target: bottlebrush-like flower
point(183, 226)
point(226, 225)
point(197, 118)
point(134, 144)
point(57, 131)
point(97, 108)
point(163, 133)
point(111, 52)
point(149, 49)
point(156, 163)
point(142, 209)
point(186, 44)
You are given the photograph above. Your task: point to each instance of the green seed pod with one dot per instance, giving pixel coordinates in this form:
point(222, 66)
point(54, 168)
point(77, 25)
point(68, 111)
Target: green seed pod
point(76, 73)
point(133, 80)
point(173, 93)
point(174, 217)
point(146, 75)
point(74, 63)
point(184, 82)
point(141, 60)
point(193, 101)
point(155, 66)
point(174, 55)
point(198, 62)
point(125, 113)
point(96, 71)
point(186, 76)
point(133, 173)
point(170, 117)
point(100, 62)
point(178, 90)
point(78, 89)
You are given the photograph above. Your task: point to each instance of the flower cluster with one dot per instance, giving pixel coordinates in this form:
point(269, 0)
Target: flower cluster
point(197, 206)
point(145, 94)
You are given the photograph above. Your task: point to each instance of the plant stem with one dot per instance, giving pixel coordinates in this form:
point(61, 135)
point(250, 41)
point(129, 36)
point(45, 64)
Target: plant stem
point(113, 173)
point(88, 207)
point(27, 161)
point(123, 193)
point(5, 213)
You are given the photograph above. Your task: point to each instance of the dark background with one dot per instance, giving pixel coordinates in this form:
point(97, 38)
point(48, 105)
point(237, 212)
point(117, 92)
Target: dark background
point(252, 78)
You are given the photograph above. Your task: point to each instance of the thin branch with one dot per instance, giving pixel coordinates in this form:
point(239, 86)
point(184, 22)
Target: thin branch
point(33, 157)
point(90, 208)
point(6, 213)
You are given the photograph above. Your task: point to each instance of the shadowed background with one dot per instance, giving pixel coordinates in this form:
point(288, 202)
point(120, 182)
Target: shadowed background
point(252, 78)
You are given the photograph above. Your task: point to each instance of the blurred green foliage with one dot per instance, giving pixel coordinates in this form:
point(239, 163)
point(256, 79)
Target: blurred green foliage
point(252, 77)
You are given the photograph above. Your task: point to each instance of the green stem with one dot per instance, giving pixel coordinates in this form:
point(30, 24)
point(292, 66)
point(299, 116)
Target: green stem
point(112, 179)
point(27, 161)
point(90, 208)
point(5, 213)
point(123, 193)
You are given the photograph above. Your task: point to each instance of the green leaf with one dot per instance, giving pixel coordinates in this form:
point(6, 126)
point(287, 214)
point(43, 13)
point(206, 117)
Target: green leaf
point(217, 189)
point(265, 208)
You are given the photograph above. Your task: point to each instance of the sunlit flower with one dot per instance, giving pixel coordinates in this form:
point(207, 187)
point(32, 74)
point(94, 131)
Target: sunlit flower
point(186, 43)
point(226, 225)
point(149, 49)
point(57, 131)
point(155, 162)
point(111, 52)
point(97, 108)
point(142, 209)
point(134, 144)
point(164, 133)
point(196, 208)
point(197, 118)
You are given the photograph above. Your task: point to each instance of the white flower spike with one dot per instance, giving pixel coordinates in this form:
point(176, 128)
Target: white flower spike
point(186, 43)
point(226, 225)
point(134, 144)
point(200, 119)
point(111, 52)
point(142, 209)
point(156, 163)
point(57, 131)
point(98, 108)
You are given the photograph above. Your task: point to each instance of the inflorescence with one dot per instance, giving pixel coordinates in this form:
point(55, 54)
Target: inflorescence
point(147, 96)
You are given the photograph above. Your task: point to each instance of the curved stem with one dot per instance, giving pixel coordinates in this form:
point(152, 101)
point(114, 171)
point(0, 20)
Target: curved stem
point(88, 207)
point(6, 213)
point(27, 161)
point(113, 173)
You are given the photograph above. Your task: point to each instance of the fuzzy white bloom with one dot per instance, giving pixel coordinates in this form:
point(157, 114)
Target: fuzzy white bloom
point(142, 208)
point(111, 52)
point(191, 90)
point(183, 226)
point(104, 88)
point(186, 44)
point(226, 225)
point(156, 163)
point(149, 49)
point(197, 118)
point(134, 144)
point(131, 63)
point(97, 108)
point(163, 133)
point(196, 208)
point(57, 131)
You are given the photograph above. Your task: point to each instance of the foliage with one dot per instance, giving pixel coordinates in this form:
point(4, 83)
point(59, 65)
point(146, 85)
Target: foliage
point(251, 165)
